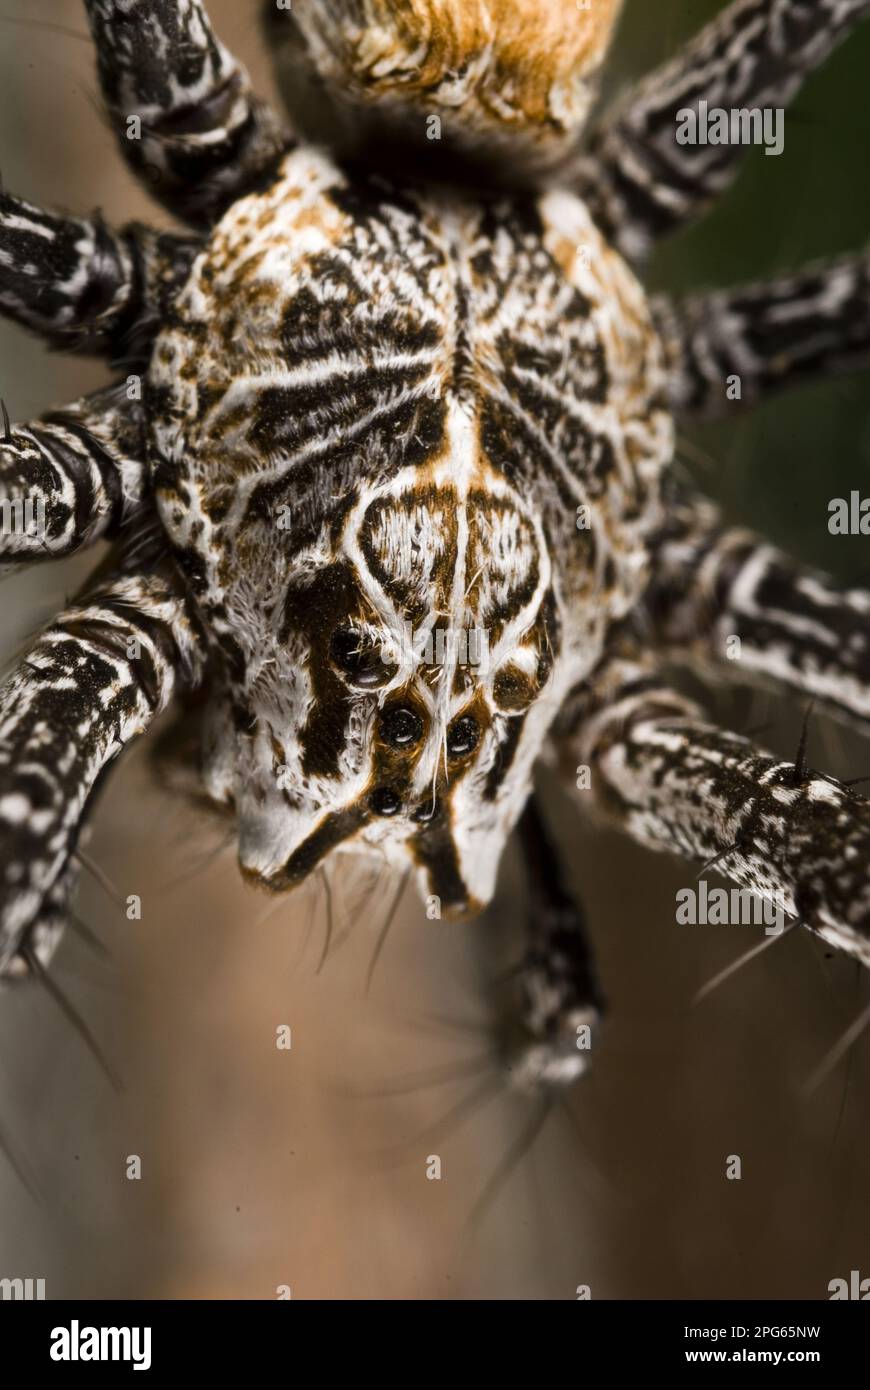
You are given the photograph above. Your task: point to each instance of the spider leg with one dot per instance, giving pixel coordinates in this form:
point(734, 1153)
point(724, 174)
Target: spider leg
point(639, 181)
point(769, 335)
point(71, 478)
point(83, 286)
point(91, 682)
point(677, 783)
point(562, 1005)
point(721, 594)
point(181, 105)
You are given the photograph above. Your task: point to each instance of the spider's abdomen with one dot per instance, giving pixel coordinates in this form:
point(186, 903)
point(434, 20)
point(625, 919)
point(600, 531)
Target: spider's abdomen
point(379, 413)
point(508, 82)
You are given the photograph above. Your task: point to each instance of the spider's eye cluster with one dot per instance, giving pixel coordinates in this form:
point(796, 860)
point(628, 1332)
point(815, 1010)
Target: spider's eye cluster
point(359, 660)
point(515, 687)
point(463, 736)
point(385, 801)
point(401, 727)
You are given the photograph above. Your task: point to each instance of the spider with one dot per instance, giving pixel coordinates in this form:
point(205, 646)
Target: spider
point(399, 381)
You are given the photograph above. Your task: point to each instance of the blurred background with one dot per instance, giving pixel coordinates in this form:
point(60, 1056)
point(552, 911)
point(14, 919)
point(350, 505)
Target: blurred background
point(307, 1167)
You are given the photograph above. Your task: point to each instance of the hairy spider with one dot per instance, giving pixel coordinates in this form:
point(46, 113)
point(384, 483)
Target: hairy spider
point(390, 398)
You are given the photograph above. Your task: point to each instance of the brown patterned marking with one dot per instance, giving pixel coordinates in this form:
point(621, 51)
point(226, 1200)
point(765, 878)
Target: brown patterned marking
point(334, 830)
point(434, 849)
point(513, 730)
point(316, 610)
point(409, 544)
point(629, 334)
point(514, 62)
point(503, 562)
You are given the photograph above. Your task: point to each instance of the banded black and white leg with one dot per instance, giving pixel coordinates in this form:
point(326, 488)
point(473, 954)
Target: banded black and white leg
point(766, 336)
point(675, 782)
point(638, 180)
point(93, 681)
point(85, 287)
point(724, 598)
point(73, 477)
point(181, 105)
point(562, 1005)
point(78, 474)
point(721, 595)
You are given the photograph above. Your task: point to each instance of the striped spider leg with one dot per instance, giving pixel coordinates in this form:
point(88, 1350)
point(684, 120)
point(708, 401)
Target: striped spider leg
point(181, 105)
point(95, 679)
point(562, 1003)
point(639, 182)
point(98, 676)
point(78, 474)
point(73, 477)
point(675, 782)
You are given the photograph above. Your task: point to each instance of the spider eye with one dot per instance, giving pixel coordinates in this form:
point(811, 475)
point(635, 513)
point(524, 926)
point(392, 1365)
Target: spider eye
point(401, 726)
point(385, 802)
point(462, 736)
point(361, 663)
point(513, 688)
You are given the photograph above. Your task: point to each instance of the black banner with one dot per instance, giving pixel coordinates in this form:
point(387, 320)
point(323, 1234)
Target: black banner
point(64, 1339)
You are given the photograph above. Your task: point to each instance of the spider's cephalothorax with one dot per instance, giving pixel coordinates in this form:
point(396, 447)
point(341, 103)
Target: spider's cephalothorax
point(397, 494)
point(409, 450)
